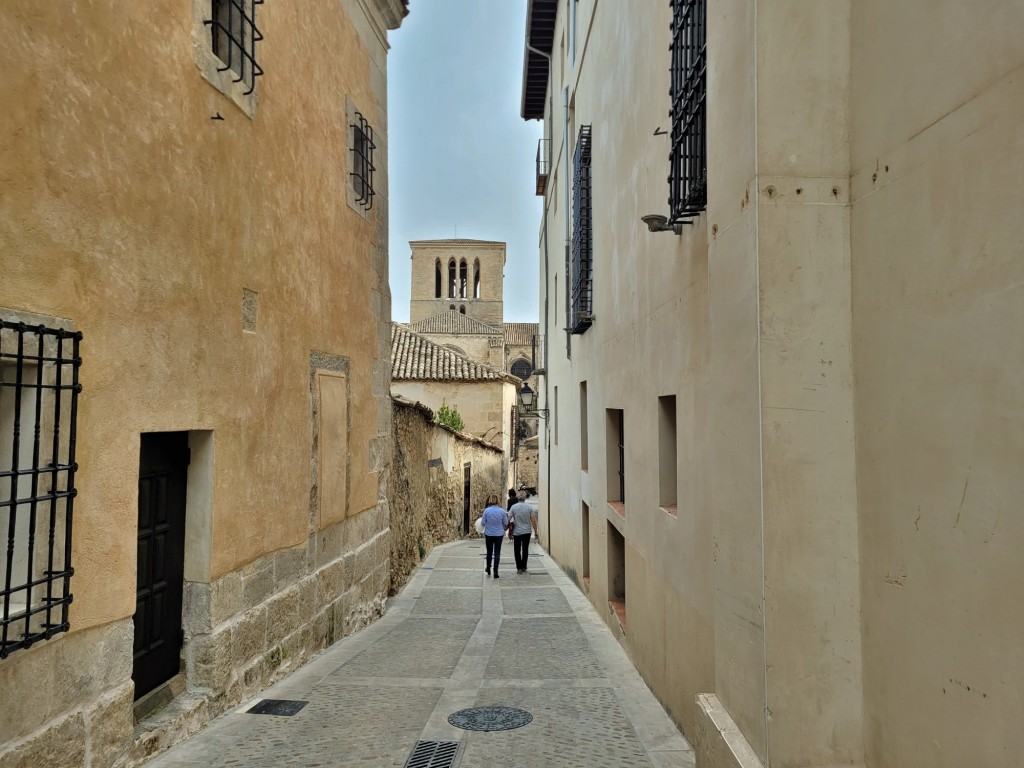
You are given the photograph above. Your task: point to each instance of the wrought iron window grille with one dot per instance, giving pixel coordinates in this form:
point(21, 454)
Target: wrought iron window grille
point(582, 235)
point(363, 167)
point(688, 171)
point(39, 390)
point(233, 38)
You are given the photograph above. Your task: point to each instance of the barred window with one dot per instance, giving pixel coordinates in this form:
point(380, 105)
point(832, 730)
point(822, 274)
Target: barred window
point(362, 163)
point(522, 369)
point(582, 240)
point(233, 38)
point(688, 171)
point(38, 413)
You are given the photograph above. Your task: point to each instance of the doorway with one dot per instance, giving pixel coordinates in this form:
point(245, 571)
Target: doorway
point(163, 468)
point(466, 497)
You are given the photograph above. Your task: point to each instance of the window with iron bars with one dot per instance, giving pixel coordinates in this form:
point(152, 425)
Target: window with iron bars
point(362, 162)
point(38, 414)
point(688, 171)
point(233, 38)
point(582, 235)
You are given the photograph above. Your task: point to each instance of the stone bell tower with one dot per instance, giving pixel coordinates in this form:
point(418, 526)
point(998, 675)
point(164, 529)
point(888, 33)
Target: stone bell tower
point(464, 275)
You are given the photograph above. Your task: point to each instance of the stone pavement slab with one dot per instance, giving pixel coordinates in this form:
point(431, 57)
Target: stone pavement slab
point(454, 639)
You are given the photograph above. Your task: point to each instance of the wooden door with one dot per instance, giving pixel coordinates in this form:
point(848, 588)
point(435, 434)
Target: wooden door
point(163, 465)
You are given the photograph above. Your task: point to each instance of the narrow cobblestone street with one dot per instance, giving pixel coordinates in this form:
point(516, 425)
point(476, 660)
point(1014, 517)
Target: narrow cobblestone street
point(454, 639)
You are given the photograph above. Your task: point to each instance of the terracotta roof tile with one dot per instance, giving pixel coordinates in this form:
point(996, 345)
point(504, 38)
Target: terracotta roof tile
point(416, 358)
point(452, 321)
point(521, 333)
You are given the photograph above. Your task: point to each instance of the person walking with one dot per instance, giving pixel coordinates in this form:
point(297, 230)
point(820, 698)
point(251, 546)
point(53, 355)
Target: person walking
point(524, 520)
point(511, 499)
point(495, 524)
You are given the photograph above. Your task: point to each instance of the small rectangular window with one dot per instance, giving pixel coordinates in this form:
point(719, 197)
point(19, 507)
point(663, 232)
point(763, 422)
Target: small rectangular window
point(233, 38)
point(667, 452)
point(583, 426)
point(362, 148)
point(38, 415)
point(616, 456)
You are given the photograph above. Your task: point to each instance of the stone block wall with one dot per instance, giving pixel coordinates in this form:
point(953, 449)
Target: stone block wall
point(427, 492)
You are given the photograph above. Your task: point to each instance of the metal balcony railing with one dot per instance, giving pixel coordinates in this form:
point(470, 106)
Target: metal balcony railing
point(543, 165)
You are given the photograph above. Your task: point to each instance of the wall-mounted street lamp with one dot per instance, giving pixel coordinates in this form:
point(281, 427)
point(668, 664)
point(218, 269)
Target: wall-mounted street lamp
point(657, 223)
point(527, 397)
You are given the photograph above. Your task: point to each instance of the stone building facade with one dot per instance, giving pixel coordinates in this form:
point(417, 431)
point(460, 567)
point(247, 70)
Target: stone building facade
point(785, 424)
point(173, 243)
point(457, 301)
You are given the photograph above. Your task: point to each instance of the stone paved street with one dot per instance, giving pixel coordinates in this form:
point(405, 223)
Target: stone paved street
point(455, 639)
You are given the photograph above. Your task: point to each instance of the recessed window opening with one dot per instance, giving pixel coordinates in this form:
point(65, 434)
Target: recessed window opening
point(521, 368)
point(584, 457)
point(476, 279)
point(585, 535)
point(462, 309)
point(617, 574)
point(233, 38)
point(463, 279)
point(616, 455)
point(667, 462)
point(451, 279)
point(362, 162)
point(38, 415)
point(437, 278)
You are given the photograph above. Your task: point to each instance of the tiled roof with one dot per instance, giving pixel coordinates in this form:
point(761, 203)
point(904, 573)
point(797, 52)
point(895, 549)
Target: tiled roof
point(416, 358)
point(521, 333)
point(456, 241)
point(452, 321)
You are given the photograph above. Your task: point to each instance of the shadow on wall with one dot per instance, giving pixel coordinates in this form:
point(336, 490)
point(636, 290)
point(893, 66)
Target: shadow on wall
point(427, 501)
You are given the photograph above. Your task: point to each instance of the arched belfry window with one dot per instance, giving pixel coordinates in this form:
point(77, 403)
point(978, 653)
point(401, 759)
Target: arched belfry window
point(462, 309)
point(476, 279)
point(451, 307)
point(451, 279)
point(437, 278)
point(463, 279)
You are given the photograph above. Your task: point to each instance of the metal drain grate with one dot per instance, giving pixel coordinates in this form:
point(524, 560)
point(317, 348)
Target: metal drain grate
point(433, 754)
point(490, 718)
point(280, 707)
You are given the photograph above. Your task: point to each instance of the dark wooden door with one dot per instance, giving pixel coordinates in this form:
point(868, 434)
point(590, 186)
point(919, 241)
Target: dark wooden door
point(163, 464)
point(466, 496)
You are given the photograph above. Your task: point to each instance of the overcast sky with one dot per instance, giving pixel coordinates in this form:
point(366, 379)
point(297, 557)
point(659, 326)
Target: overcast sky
point(460, 156)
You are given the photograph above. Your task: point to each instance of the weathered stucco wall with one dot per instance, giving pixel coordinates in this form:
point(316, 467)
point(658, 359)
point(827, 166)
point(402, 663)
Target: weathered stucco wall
point(427, 486)
point(213, 266)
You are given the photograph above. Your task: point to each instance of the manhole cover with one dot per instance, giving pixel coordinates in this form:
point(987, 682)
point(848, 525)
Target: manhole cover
point(490, 718)
point(280, 707)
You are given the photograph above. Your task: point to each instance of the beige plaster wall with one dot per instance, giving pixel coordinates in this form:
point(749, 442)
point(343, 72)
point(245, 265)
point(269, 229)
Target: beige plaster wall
point(485, 406)
point(474, 347)
point(936, 224)
point(647, 289)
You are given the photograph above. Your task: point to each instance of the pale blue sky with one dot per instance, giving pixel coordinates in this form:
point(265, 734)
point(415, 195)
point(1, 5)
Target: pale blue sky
point(460, 155)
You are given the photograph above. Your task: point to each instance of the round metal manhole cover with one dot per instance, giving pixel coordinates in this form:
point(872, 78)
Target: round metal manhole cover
point(490, 718)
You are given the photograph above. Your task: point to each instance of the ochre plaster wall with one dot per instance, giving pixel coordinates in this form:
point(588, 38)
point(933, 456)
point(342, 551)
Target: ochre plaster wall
point(139, 202)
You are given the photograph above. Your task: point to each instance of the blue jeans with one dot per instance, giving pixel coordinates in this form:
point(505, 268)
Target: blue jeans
point(493, 549)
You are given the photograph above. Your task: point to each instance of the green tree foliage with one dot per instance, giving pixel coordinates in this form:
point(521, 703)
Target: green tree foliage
point(450, 417)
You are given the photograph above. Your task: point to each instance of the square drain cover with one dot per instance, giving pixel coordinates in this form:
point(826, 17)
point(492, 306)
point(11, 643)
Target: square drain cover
point(433, 754)
point(281, 707)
